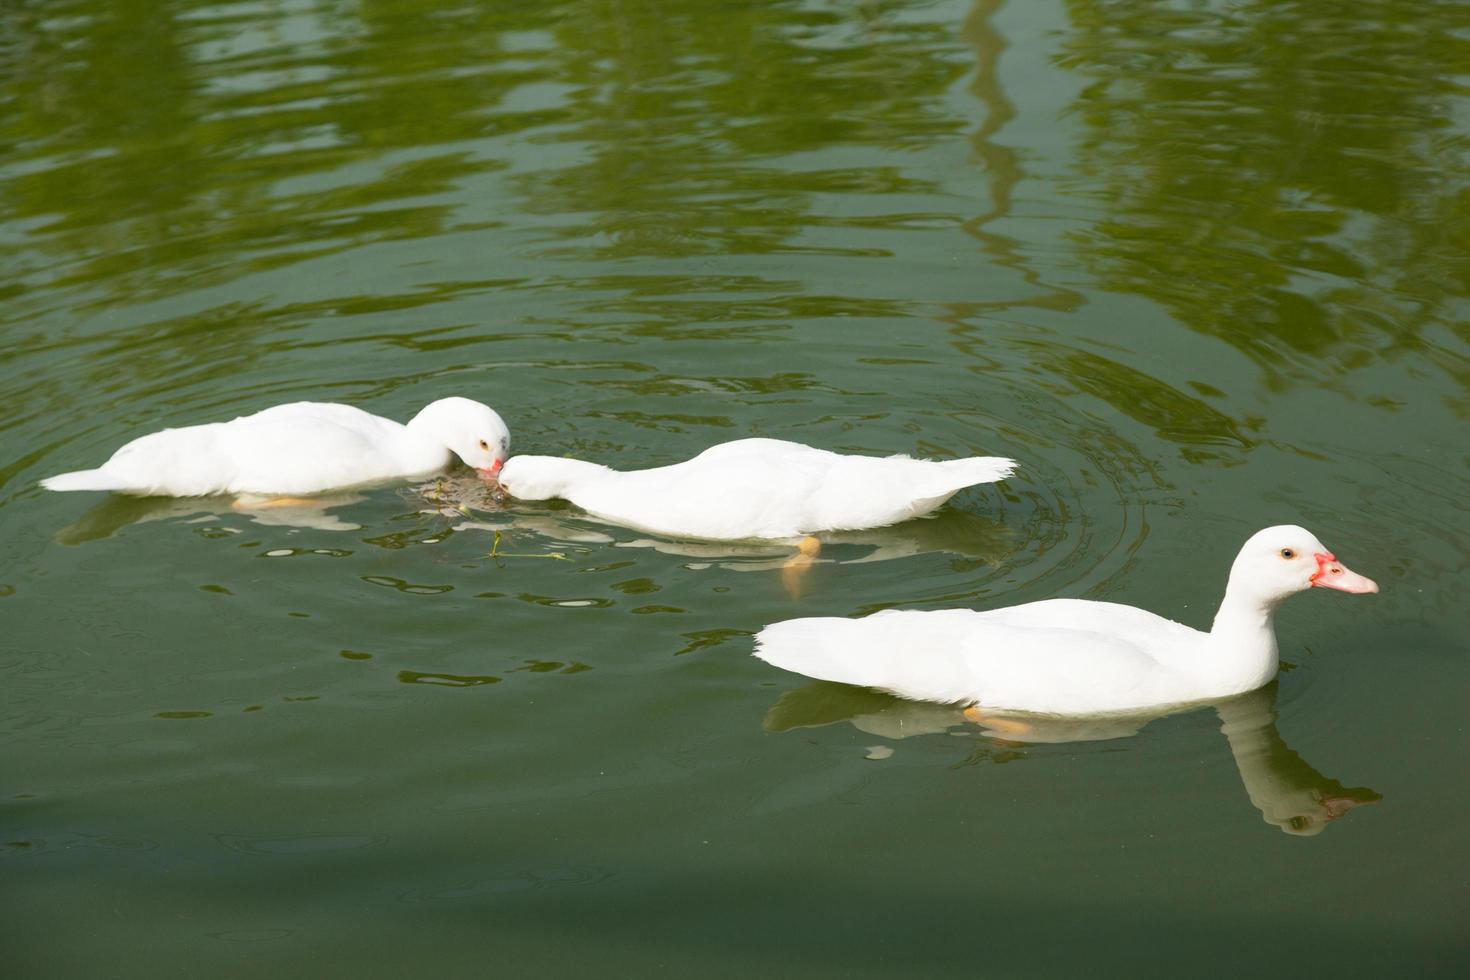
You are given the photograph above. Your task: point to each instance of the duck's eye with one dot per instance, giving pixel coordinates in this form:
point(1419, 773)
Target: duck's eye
point(1287, 553)
point(484, 444)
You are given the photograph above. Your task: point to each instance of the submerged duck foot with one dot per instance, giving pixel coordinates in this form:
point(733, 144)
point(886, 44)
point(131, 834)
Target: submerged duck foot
point(261, 503)
point(796, 567)
point(1007, 726)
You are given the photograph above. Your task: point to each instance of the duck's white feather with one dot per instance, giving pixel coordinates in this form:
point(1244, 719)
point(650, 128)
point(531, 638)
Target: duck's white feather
point(755, 488)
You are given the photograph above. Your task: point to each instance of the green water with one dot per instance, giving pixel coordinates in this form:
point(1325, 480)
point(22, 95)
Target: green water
point(1201, 267)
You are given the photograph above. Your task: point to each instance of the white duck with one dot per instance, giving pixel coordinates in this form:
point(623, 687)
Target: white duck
point(1069, 656)
point(296, 449)
point(754, 488)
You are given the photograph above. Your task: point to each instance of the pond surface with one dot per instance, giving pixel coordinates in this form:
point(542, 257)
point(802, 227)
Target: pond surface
point(1199, 267)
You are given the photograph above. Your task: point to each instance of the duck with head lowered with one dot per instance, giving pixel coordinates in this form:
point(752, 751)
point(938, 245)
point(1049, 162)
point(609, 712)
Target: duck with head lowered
point(754, 488)
point(299, 449)
point(1070, 656)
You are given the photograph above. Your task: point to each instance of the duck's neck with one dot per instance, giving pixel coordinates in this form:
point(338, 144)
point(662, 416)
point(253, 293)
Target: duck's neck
point(1243, 638)
point(1278, 781)
point(572, 472)
point(544, 477)
point(421, 448)
point(431, 425)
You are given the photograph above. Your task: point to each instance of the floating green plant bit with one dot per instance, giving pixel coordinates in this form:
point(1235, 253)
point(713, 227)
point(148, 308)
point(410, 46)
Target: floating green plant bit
point(495, 552)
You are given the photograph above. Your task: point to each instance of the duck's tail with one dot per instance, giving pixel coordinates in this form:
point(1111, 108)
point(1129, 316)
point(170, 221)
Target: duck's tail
point(813, 647)
point(864, 652)
point(915, 654)
point(98, 479)
point(978, 469)
point(941, 479)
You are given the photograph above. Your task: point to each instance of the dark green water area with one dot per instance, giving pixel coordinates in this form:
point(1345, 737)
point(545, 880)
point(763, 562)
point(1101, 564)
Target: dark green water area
point(1201, 267)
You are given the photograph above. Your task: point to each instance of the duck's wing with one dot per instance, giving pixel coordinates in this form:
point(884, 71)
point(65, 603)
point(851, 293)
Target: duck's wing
point(1163, 638)
point(827, 491)
point(1023, 658)
point(309, 447)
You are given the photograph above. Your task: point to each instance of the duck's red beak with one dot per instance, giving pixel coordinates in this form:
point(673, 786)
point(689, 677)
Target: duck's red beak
point(1333, 574)
point(492, 470)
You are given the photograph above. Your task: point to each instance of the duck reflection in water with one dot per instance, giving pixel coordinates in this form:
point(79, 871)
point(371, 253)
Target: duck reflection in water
point(454, 495)
point(951, 531)
point(1290, 794)
point(116, 512)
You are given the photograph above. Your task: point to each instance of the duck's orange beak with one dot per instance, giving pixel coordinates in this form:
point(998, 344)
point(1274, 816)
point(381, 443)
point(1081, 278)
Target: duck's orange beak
point(1333, 574)
point(492, 470)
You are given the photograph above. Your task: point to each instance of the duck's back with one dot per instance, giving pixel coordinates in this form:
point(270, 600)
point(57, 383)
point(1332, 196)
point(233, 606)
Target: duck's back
point(298, 448)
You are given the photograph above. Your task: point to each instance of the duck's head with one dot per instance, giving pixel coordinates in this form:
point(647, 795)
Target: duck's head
point(1307, 811)
point(1286, 559)
point(472, 431)
point(545, 477)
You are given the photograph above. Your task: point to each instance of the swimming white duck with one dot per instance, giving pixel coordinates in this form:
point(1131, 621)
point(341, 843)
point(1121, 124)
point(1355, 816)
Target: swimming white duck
point(300, 448)
point(754, 488)
point(1070, 656)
